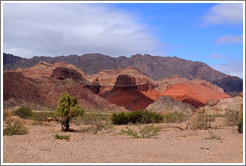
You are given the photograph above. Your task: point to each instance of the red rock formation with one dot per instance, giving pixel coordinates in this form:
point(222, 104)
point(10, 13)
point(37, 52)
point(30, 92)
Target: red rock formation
point(126, 93)
point(196, 94)
point(130, 88)
point(47, 87)
point(127, 87)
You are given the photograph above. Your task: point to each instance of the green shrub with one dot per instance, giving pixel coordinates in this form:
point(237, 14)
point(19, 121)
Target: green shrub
point(120, 118)
point(14, 127)
point(23, 112)
point(136, 117)
point(41, 116)
point(92, 118)
point(174, 117)
point(145, 132)
point(61, 137)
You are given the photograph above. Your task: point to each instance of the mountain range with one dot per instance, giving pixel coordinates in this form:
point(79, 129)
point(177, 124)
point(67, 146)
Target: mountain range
point(156, 67)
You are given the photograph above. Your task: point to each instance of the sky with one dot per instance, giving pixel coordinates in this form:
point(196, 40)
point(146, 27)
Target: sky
point(207, 32)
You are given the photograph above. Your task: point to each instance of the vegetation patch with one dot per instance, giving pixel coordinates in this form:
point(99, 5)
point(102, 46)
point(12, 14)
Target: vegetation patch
point(213, 136)
point(201, 121)
point(93, 118)
point(240, 123)
point(96, 127)
point(235, 118)
point(14, 127)
point(61, 137)
point(145, 132)
point(174, 117)
point(23, 112)
point(41, 116)
point(136, 117)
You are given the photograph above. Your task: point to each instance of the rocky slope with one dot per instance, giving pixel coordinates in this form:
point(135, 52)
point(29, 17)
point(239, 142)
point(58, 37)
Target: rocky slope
point(155, 67)
point(223, 105)
point(45, 83)
point(166, 104)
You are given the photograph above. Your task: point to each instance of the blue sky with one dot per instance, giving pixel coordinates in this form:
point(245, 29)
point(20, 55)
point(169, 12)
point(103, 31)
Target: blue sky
point(208, 32)
point(182, 27)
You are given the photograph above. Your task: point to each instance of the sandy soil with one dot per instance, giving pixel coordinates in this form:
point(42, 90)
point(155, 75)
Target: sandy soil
point(171, 146)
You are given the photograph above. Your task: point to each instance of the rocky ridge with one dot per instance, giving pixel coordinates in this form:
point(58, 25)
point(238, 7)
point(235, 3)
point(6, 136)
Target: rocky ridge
point(156, 67)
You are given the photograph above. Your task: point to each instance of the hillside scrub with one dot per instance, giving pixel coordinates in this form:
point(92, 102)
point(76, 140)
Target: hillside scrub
point(14, 127)
point(41, 116)
point(23, 112)
point(136, 117)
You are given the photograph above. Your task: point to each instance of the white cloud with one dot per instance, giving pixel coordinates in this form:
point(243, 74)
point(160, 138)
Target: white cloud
point(216, 56)
point(229, 39)
point(63, 29)
point(234, 68)
point(228, 13)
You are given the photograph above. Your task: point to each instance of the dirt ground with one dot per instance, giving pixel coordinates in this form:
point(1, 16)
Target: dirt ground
point(172, 145)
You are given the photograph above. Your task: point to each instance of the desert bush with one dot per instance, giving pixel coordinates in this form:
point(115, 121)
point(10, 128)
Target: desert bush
point(41, 116)
point(240, 123)
point(14, 127)
point(61, 137)
point(6, 114)
point(240, 126)
point(145, 132)
point(68, 108)
point(92, 118)
point(136, 117)
point(23, 112)
point(201, 121)
point(233, 117)
point(218, 115)
point(97, 126)
point(213, 136)
point(174, 117)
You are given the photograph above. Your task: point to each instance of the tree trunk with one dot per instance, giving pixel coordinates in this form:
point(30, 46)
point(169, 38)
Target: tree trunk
point(65, 125)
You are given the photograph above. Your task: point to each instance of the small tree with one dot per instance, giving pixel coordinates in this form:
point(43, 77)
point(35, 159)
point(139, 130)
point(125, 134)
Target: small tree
point(68, 108)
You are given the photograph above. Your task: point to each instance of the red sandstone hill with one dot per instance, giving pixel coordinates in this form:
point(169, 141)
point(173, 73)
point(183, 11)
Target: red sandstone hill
point(45, 83)
point(133, 90)
point(196, 94)
point(127, 87)
point(128, 94)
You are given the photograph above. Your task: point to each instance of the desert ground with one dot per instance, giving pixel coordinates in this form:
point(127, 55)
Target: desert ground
point(172, 145)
